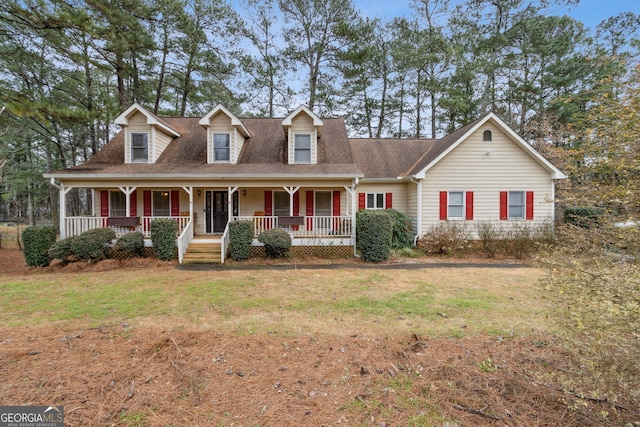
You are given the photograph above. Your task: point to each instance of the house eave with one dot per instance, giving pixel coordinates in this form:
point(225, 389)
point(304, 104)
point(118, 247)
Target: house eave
point(203, 177)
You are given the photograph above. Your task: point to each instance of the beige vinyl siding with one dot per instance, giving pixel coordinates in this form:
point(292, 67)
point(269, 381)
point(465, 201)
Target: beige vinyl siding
point(221, 123)
point(399, 191)
point(487, 168)
point(137, 124)
point(303, 124)
point(160, 142)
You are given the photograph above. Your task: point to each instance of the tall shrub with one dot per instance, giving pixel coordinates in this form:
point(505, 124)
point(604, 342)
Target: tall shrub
point(241, 235)
point(36, 241)
point(402, 235)
point(374, 234)
point(277, 243)
point(92, 245)
point(163, 237)
point(130, 244)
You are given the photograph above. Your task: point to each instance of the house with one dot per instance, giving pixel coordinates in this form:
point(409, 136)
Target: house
point(301, 173)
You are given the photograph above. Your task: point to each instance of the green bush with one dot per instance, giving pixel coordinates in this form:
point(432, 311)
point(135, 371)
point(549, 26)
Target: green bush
point(131, 244)
point(374, 234)
point(444, 238)
point(277, 243)
point(93, 245)
point(584, 217)
point(36, 242)
point(402, 236)
point(241, 235)
point(163, 236)
point(63, 250)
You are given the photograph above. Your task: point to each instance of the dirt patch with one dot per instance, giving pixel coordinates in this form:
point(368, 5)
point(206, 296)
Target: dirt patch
point(124, 375)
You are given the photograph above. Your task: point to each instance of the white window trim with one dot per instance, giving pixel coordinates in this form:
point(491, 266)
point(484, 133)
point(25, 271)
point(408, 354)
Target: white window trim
point(131, 148)
point(153, 205)
point(523, 205)
point(213, 146)
point(310, 149)
point(111, 203)
point(462, 216)
point(375, 197)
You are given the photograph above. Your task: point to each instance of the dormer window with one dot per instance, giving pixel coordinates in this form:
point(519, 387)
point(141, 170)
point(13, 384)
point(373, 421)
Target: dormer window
point(139, 147)
point(487, 136)
point(221, 147)
point(302, 149)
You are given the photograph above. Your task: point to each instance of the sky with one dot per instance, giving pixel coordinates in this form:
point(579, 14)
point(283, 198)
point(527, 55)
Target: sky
point(590, 12)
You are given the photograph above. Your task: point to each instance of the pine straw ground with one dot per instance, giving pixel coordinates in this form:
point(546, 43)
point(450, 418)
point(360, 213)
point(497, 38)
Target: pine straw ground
point(123, 375)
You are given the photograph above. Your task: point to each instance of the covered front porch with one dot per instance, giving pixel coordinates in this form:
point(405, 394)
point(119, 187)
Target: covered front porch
point(313, 215)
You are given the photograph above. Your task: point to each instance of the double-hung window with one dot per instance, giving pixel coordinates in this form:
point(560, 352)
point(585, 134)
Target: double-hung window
point(221, 147)
point(375, 201)
point(302, 148)
point(140, 147)
point(161, 203)
point(117, 204)
point(456, 205)
point(516, 205)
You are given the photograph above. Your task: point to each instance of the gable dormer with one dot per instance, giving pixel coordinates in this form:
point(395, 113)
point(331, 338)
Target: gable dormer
point(145, 135)
point(302, 129)
point(225, 135)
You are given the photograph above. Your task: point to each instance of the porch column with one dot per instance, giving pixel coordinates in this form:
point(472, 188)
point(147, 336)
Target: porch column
point(189, 191)
point(291, 190)
point(127, 192)
point(63, 210)
point(230, 191)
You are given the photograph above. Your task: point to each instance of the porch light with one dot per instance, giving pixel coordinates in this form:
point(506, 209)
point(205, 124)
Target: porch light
point(199, 193)
point(244, 192)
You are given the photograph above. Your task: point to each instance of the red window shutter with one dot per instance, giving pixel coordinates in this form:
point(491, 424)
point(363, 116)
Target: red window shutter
point(296, 203)
point(362, 200)
point(443, 205)
point(529, 206)
point(469, 205)
point(133, 200)
point(146, 196)
point(268, 203)
point(309, 208)
point(504, 211)
point(309, 203)
point(336, 203)
point(104, 203)
point(175, 203)
point(388, 200)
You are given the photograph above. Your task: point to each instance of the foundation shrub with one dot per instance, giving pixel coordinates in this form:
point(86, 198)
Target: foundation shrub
point(163, 238)
point(36, 242)
point(402, 235)
point(444, 238)
point(241, 235)
point(277, 243)
point(374, 233)
point(131, 244)
point(63, 250)
point(92, 245)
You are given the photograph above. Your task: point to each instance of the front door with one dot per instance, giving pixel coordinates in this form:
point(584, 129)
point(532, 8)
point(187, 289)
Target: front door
point(216, 211)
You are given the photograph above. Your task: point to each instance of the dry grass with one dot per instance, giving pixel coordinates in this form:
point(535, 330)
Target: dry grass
point(432, 301)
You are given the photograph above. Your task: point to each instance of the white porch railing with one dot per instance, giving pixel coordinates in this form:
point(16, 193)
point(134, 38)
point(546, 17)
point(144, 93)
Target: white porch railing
point(77, 225)
point(184, 239)
point(312, 226)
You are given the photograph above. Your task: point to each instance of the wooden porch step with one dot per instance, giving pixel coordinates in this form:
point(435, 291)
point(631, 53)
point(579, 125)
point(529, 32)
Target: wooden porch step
point(202, 252)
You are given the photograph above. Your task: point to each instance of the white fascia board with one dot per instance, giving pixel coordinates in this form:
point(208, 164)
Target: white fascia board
point(555, 172)
point(236, 122)
point(317, 121)
point(189, 177)
point(123, 119)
